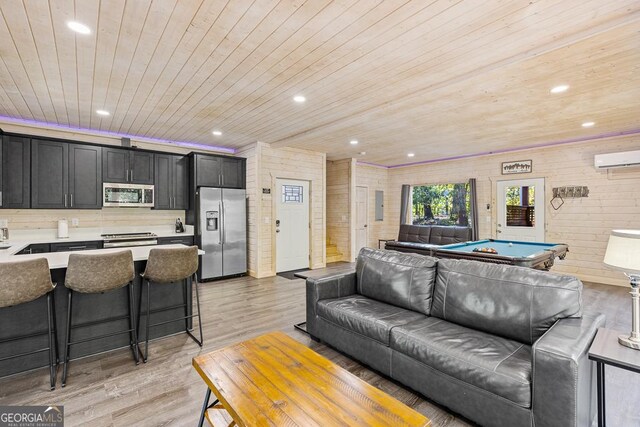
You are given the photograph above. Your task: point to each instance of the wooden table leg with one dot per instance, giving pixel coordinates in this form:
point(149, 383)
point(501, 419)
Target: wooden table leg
point(205, 405)
point(602, 418)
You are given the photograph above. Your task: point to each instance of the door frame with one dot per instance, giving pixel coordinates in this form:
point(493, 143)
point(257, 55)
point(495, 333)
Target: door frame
point(274, 210)
point(355, 214)
point(539, 213)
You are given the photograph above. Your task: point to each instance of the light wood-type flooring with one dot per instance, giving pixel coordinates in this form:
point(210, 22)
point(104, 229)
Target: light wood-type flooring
point(110, 390)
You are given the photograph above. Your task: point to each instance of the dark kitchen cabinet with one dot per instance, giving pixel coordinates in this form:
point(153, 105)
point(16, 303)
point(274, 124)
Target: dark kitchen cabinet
point(233, 174)
point(85, 176)
point(219, 171)
point(182, 240)
point(171, 182)
point(37, 248)
point(65, 175)
point(49, 174)
point(208, 171)
point(120, 165)
point(76, 246)
point(15, 182)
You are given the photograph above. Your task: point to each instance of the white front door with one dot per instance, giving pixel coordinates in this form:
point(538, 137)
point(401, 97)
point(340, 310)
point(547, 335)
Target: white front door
point(520, 210)
point(362, 212)
point(292, 224)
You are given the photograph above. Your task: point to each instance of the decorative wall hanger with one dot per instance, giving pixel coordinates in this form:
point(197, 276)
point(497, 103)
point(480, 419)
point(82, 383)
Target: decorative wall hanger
point(571, 192)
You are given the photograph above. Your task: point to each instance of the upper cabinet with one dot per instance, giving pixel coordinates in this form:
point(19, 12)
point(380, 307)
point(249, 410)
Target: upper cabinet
point(219, 171)
point(65, 175)
point(120, 165)
point(15, 161)
point(171, 182)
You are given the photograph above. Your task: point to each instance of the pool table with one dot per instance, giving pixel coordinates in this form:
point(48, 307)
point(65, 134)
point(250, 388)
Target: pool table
point(523, 254)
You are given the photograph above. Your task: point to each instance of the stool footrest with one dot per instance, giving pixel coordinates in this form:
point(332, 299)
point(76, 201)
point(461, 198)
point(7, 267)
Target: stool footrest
point(126, 331)
point(99, 322)
point(174, 320)
point(24, 354)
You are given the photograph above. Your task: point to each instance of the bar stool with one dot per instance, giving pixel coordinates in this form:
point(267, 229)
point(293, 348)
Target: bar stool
point(99, 273)
point(25, 281)
point(170, 265)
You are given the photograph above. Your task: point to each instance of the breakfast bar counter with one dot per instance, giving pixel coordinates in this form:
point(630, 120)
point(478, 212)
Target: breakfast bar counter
point(27, 319)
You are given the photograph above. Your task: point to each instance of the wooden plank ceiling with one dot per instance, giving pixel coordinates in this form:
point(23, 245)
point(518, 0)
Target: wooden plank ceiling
point(437, 78)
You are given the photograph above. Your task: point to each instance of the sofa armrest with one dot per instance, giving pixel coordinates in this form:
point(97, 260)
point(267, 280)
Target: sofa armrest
point(563, 377)
point(325, 288)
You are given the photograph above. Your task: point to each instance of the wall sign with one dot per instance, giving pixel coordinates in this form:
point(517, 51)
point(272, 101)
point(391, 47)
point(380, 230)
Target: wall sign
point(519, 166)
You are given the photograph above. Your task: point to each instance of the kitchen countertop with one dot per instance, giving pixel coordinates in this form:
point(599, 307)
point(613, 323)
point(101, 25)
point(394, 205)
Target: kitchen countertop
point(61, 259)
point(20, 239)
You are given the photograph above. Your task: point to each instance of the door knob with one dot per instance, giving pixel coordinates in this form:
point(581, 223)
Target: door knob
point(365, 226)
point(498, 231)
point(277, 230)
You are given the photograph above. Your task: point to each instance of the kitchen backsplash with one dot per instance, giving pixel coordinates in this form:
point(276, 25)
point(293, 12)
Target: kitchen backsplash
point(31, 219)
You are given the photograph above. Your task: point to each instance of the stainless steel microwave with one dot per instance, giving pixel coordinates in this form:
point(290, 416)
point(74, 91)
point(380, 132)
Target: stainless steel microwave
point(127, 195)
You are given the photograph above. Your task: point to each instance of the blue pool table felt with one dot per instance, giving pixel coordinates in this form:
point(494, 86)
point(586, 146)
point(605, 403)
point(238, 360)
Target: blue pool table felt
point(517, 250)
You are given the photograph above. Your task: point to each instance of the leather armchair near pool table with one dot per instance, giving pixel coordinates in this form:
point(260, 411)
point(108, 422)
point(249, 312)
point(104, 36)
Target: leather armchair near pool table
point(421, 239)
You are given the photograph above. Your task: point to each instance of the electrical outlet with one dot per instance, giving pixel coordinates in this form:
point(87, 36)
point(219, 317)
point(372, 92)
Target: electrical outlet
point(75, 222)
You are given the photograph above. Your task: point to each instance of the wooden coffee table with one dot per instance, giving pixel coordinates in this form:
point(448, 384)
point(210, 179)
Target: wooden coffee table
point(275, 380)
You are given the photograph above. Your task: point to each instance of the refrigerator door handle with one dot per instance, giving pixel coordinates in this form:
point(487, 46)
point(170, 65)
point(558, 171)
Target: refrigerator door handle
point(221, 226)
point(224, 226)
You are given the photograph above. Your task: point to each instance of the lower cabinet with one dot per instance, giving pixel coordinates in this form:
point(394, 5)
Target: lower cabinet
point(38, 248)
point(182, 240)
point(76, 246)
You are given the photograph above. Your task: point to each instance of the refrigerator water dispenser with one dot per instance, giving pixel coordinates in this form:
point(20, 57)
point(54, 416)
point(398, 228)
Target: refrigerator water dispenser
point(213, 218)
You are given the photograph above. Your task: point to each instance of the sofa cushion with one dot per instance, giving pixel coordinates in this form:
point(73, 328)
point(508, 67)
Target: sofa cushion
point(409, 245)
point(513, 302)
point(401, 279)
point(366, 316)
point(446, 235)
point(488, 362)
point(414, 233)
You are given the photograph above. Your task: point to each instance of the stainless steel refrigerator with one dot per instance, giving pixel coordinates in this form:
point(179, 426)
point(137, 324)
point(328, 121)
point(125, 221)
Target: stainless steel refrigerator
point(221, 230)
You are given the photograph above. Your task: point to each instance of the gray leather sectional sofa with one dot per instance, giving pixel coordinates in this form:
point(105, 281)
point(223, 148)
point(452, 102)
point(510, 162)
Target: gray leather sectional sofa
point(500, 345)
point(421, 238)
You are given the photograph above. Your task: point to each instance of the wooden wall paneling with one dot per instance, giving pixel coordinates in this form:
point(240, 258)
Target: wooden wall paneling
point(451, 41)
point(207, 28)
point(44, 51)
point(256, 49)
point(254, 195)
point(153, 28)
point(222, 61)
point(20, 35)
point(17, 76)
point(63, 45)
point(134, 18)
point(584, 223)
point(110, 21)
point(339, 206)
point(181, 17)
point(287, 54)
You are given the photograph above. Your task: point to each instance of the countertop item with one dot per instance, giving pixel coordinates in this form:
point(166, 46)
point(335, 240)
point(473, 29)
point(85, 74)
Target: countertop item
point(63, 229)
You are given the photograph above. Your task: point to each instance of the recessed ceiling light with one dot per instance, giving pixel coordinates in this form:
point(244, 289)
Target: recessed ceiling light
point(299, 99)
point(410, 155)
point(353, 142)
point(103, 112)
point(559, 89)
point(217, 133)
point(78, 27)
point(588, 124)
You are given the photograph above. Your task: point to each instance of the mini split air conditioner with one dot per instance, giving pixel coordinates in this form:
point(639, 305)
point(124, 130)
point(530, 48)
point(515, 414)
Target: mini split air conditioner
point(617, 160)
